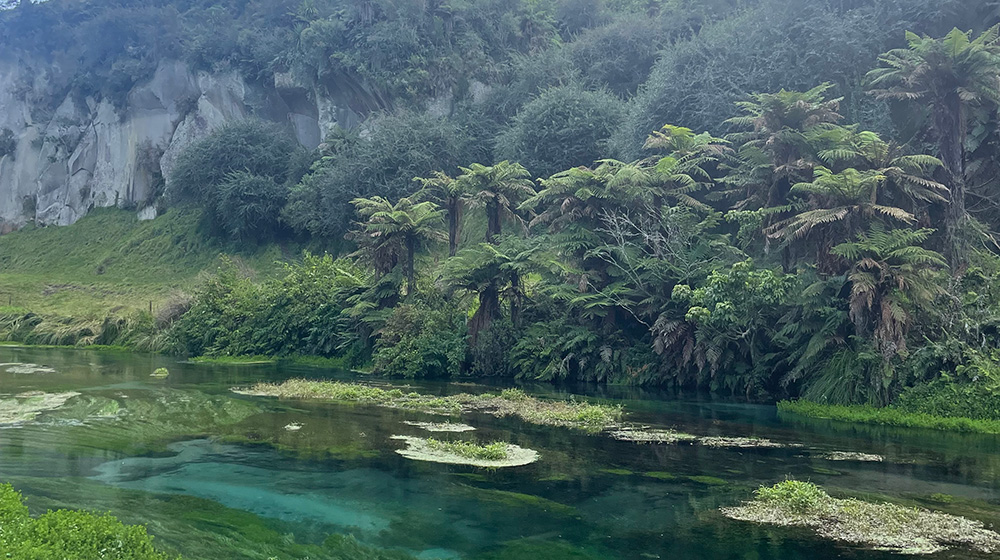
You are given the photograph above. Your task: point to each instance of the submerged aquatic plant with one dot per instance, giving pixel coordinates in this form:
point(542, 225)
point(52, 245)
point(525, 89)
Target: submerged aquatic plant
point(25, 407)
point(885, 526)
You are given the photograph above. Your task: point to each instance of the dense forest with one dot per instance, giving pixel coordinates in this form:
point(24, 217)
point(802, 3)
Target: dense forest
point(768, 198)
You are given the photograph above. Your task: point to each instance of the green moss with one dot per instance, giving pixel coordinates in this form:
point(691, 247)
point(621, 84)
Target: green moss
point(888, 417)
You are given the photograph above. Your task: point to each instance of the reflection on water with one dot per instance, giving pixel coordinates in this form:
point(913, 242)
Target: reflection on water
point(218, 475)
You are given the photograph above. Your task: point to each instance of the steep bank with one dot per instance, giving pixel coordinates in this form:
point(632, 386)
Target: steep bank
point(66, 155)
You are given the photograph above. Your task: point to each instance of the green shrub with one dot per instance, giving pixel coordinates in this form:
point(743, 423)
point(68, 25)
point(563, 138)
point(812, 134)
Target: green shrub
point(793, 495)
point(69, 535)
point(239, 174)
point(299, 314)
point(422, 339)
point(566, 126)
point(978, 400)
point(248, 206)
point(397, 148)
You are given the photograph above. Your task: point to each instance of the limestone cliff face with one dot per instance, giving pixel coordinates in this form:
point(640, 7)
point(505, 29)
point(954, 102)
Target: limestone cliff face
point(88, 153)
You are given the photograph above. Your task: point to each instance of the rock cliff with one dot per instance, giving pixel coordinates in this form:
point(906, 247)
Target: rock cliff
point(61, 155)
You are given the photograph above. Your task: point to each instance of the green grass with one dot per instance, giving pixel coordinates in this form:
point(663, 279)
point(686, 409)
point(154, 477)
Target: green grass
point(233, 360)
point(888, 417)
point(110, 261)
point(495, 451)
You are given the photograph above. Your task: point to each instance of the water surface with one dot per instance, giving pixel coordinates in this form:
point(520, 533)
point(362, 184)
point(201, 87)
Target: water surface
point(218, 475)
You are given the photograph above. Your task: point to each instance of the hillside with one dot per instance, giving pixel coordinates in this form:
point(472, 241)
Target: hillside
point(110, 261)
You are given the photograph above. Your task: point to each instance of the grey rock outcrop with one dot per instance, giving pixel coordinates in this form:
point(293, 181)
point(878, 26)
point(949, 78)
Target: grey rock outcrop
point(88, 153)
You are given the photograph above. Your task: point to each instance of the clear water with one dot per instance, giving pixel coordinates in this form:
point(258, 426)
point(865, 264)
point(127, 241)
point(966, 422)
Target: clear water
point(216, 475)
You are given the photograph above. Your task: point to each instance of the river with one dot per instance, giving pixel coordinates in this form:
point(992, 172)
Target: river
point(217, 475)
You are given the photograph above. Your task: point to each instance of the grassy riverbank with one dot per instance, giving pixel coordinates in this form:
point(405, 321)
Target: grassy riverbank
point(888, 416)
point(110, 261)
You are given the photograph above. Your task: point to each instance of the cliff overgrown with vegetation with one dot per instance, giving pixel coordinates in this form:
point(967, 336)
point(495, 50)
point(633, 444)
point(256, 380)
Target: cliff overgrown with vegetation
point(771, 198)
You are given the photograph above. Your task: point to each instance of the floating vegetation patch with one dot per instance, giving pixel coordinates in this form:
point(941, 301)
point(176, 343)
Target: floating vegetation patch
point(26, 369)
point(645, 434)
point(494, 455)
point(743, 442)
point(440, 426)
point(511, 402)
point(884, 526)
point(852, 456)
point(642, 434)
point(25, 407)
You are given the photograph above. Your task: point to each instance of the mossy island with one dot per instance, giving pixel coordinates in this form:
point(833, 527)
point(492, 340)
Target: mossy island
point(493, 455)
point(884, 526)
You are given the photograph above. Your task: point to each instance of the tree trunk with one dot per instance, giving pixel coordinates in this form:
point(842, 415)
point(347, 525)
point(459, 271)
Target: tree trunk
point(949, 120)
point(515, 299)
point(493, 224)
point(411, 279)
point(454, 216)
point(489, 309)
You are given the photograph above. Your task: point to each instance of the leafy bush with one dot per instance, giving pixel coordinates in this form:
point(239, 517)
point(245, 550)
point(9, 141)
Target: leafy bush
point(69, 535)
point(397, 148)
point(979, 400)
point(299, 314)
point(564, 127)
point(422, 339)
point(248, 206)
point(238, 173)
point(491, 354)
point(793, 495)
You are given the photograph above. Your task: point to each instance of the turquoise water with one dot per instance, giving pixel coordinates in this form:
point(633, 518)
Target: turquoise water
point(217, 475)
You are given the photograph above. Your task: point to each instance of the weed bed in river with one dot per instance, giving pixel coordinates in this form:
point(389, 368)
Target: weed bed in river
point(510, 402)
point(884, 526)
point(493, 455)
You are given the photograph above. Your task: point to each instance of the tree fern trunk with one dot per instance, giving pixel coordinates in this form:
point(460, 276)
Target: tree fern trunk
point(949, 120)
